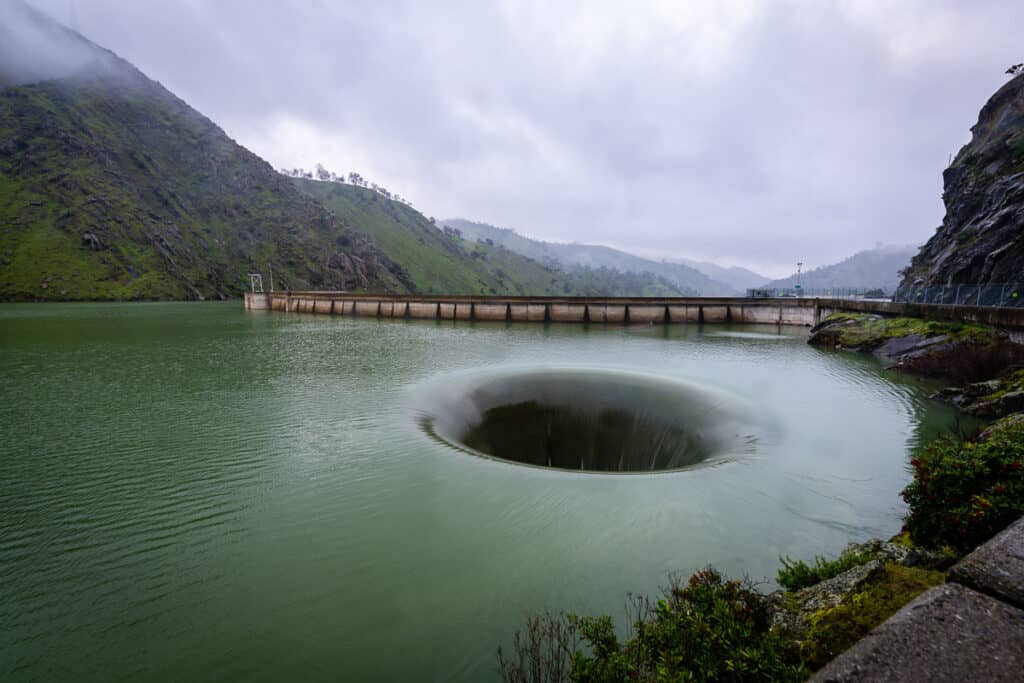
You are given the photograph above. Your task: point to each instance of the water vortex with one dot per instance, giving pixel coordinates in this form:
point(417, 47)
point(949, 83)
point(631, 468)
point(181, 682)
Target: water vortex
point(592, 421)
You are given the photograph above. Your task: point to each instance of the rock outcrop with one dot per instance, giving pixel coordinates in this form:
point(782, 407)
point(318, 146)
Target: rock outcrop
point(981, 239)
point(989, 399)
point(793, 612)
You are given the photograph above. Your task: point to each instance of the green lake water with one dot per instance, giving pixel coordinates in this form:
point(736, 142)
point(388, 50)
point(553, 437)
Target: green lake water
point(192, 492)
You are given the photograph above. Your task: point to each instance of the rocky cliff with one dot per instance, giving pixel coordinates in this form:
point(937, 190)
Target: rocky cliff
point(981, 239)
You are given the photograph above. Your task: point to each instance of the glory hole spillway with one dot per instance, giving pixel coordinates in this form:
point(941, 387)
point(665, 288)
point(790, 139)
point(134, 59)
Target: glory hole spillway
point(594, 421)
point(365, 495)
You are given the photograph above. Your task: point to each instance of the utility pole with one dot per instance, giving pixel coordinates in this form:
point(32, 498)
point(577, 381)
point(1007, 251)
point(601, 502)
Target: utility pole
point(799, 265)
point(271, 266)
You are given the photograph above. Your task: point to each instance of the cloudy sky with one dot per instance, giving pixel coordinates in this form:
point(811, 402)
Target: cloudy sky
point(750, 133)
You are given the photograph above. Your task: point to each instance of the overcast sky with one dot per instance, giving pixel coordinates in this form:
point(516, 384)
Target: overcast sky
point(748, 133)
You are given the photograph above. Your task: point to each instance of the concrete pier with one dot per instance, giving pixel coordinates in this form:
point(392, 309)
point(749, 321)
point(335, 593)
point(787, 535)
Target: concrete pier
point(618, 310)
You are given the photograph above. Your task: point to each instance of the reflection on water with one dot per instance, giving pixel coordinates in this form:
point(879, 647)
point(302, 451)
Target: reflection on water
point(190, 492)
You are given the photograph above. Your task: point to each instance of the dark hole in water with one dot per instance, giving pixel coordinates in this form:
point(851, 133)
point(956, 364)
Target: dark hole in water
point(595, 421)
point(609, 439)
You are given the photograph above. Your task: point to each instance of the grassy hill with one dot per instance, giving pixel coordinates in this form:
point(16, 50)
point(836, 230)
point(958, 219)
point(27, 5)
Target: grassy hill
point(442, 263)
point(678, 276)
point(113, 188)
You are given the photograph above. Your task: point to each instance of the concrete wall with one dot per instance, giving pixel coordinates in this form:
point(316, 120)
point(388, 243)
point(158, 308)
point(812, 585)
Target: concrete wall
point(257, 301)
point(785, 311)
point(714, 314)
point(369, 309)
point(568, 313)
point(423, 310)
point(497, 312)
point(640, 314)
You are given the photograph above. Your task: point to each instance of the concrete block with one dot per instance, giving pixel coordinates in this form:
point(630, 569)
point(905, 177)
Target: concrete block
point(568, 313)
point(464, 311)
point(490, 311)
point(305, 306)
point(793, 315)
point(368, 309)
point(949, 633)
point(716, 314)
point(322, 306)
point(536, 313)
point(257, 301)
point(423, 310)
point(596, 313)
point(997, 567)
point(756, 314)
point(640, 314)
point(446, 311)
point(343, 307)
point(386, 307)
point(518, 312)
point(684, 314)
point(279, 304)
point(615, 314)
point(400, 310)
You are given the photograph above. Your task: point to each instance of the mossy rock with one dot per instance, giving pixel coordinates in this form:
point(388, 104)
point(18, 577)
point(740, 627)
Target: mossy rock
point(834, 629)
point(864, 331)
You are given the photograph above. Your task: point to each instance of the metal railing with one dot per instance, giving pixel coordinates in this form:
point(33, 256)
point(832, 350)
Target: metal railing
point(1009, 295)
point(819, 292)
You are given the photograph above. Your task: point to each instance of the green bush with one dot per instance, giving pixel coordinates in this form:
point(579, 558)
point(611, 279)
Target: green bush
point(708, 629)
point(794, 575)
point(964, 492)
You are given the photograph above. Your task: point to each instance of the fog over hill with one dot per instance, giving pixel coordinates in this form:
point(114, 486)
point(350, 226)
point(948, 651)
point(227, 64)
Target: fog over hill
point(877, 268)
point(736, 277)
point(111, 187)
point(592, 256)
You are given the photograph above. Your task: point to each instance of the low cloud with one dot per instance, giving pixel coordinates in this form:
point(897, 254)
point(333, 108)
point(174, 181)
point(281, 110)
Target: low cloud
point(743, 132)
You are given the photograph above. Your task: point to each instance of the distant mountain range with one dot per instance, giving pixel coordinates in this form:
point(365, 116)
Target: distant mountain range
point(684, 276)
point(872, 269)
point(739, 279)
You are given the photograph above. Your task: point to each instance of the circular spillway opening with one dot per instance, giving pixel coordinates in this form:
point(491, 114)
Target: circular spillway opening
point(592, 421)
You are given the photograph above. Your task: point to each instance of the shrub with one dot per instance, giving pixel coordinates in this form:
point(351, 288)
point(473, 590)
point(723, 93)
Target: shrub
point(794, 575)
point(708, 629)
point(964, 492)
point(541, 654)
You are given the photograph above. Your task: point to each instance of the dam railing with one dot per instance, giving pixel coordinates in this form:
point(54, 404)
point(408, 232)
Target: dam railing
point(1006, 295)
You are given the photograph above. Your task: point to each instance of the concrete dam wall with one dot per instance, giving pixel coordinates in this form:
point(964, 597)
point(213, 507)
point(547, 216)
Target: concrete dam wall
point(618, 311)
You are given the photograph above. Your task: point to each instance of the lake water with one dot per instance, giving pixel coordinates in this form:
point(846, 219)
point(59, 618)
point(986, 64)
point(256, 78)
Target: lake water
point(192, 492)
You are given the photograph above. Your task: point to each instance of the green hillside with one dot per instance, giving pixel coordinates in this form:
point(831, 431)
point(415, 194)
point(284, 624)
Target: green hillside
point(443, 263)
point(113, 188)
